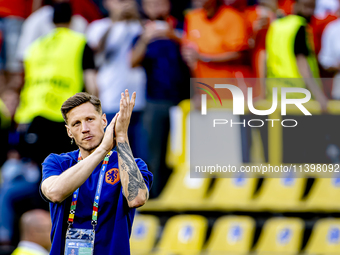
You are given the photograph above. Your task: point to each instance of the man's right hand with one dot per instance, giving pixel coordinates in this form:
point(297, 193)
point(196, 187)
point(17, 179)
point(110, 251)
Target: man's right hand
point(109, 142)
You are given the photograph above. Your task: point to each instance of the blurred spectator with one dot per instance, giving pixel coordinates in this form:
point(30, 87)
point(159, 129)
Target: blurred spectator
point(112, 38)
point(329, 56)
point(290, 52)
point(54, 69)
point(9, 137)
point(19, 178)
point(319, 24)
point(40, 23)
point(215, 42)
point(20, 183)
point(157, 49)
point(12, 15)
point(259, 18)
point(35, 227)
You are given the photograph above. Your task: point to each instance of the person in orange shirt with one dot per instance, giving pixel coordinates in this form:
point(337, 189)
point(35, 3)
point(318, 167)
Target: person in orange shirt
point(215, 41)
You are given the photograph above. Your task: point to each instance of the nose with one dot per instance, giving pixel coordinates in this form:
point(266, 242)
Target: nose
point(84, 127)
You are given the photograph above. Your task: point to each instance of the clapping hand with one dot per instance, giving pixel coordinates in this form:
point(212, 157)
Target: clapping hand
point(125, 112)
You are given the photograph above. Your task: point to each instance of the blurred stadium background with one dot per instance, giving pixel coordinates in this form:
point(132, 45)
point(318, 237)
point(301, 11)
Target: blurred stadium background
point(178, 40)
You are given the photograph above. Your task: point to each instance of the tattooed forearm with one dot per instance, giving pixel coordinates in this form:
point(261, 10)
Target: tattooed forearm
point(129, 165)
point(124, 166)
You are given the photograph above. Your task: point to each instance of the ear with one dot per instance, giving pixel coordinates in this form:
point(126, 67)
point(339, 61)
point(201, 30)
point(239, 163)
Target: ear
point(69, 131)
point(104, 120)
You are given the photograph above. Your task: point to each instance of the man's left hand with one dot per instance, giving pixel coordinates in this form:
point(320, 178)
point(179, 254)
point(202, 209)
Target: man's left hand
point(125, 112)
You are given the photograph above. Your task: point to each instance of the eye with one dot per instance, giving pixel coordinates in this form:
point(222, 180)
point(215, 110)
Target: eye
point(76, 124)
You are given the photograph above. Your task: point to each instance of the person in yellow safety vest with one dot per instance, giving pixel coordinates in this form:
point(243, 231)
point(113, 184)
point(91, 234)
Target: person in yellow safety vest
point(56, 67)
point(290, 54)
point(35, 229)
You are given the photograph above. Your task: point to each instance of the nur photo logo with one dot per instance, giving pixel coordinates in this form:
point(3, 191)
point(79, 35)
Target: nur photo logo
point(238, 105)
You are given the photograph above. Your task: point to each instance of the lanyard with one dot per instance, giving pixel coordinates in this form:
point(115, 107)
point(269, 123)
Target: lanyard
point(96, 197)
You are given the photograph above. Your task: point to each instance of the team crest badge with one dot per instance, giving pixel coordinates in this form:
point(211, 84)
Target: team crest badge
point(112, 176)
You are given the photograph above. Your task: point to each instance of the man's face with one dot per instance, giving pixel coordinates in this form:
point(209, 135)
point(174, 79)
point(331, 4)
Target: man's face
point(305, 8)
point(156, 9)
point(86, 126)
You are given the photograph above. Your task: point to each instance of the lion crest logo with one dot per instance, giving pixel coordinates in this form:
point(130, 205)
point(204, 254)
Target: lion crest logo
point(112, 176)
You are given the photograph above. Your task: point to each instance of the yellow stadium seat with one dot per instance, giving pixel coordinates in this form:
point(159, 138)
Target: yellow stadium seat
point(183, 234)
point(280, 236)
point(242, 190)
point(324, 195)
point(180, 193)
point(325, 237)
point(144, 233)
point(231, 235)
point(280, 194)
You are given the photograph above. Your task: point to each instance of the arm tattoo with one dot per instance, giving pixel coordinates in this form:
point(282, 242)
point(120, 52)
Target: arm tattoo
point(124, 166)
point(136, 180)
